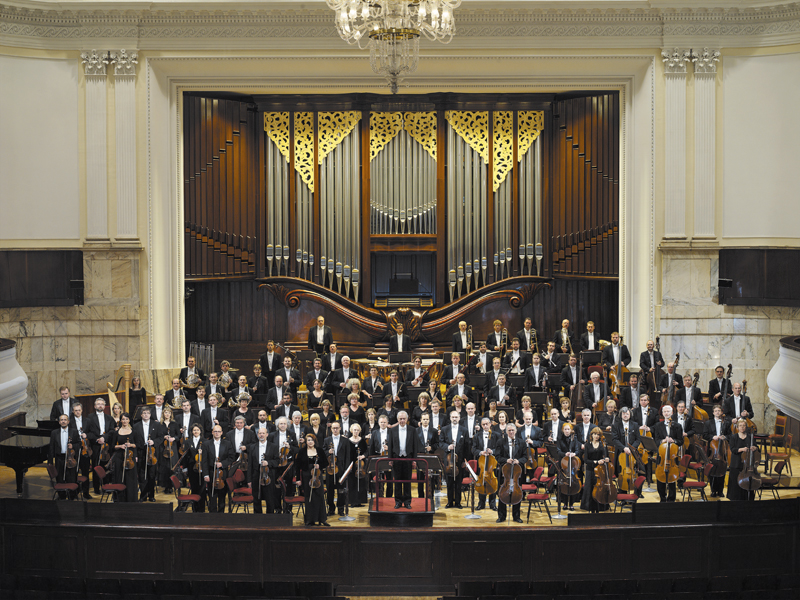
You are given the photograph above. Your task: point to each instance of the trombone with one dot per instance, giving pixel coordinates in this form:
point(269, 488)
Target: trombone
point(469, 339)
point(503, 342)
point(565, 338)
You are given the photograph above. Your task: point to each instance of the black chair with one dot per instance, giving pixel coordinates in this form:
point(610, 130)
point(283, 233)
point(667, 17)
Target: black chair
point(686, 585)
point(210, 587)
point(475, 588)
point(619, 586)
point(511, 588)
point(245, 588)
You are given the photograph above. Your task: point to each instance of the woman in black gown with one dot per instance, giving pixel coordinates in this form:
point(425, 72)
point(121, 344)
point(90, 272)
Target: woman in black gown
point(122, 442)
point(307, 459)
point(606, 420)
point(327, 416)
point(116, 414)
point(167, 461)
point(357, 488)
point(356, 411)
point(739, 442)
point(594, 453)
point(317, 394)
point(565, 414)
point(136, 394)
point(568, 445)
point(316, 427)
point(371, 424)
point(435, 391)
point(422, 408)
point(389, 410)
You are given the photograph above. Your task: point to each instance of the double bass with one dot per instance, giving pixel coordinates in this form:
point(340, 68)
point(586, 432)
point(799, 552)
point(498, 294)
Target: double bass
point(653, 377)
point(576, 396)
point(751, 426)
point(668, 392)
point(570, 484)
point(718, 455)
point(616, 375)
point(487, 480)
point(698, 414)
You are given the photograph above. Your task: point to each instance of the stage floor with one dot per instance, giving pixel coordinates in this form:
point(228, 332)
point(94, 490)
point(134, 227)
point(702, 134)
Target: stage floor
point(37, 486)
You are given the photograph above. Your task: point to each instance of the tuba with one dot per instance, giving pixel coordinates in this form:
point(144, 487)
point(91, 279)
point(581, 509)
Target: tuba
point(603, 344)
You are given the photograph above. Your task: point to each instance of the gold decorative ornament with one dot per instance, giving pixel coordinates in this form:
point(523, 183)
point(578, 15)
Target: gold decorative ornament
point(383, 128)
point(276, 124)
point(502, 146)
point(304, 147)
point(473, 128)
point(422, 127)
point(530, 123)
point(333, 128)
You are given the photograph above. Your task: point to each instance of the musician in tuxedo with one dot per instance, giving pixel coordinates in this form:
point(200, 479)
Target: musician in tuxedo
point(320, 337)
point(689, 393)
point(332, 360)
point(276, 394)
point(649, 361)
point(564, 338)
point(270, 362)
point(191, 369)
point(399, 342)
point(494, 341)
point(240, 388)
point(685, 420)
point(502, 393)
point(62, 440)
point(403, 443)
point(157, 408)
point(62, 406)
point(616, 353)
point(338, 379)
point(99, 427)
point(481, 361)
point(571, 376)
point(511, 450)
point(594, 391)
point(644, 414)
point(285, 408)
point(624, 433)
point(240, 436)
point(551, 429)
point(374, 384)
point(175, 392)
point(213, 415)
point(583, 427)
point(667, 431)
point(378, 444)
point(472, 423)
point(417, 376)
point(528, 340)
point(532, 435)
point(460, 389)
point(629, 395)
point(515, 360)
point(485, 443)
point(451, 370)
point(428, 442)
point(297, 428)
point(315, 373)
point(200, 403)
point(550, 359)
point(534, 375)
point(492, 375)
point(186, 418)
point(258, 383)
point(454, 438)
point(283, 437)
point(218, 453)
point(262, 423)
point(266, 455)
point(460, 338)
point(395, 388)
point(670, 377)
point(719, 388)
point(590, 340)
point(717, 428)
point(290, 376)
point(214, 387)
point(78, 422)
point(737, 406)
point(147, 433)
point(338, 449)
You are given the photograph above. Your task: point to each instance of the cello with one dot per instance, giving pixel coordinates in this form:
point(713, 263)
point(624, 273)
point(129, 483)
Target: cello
point(750, 479)
point(604, 490)
point(718, 450)
point(616, 375)
point(487, 480)
point(667, 470)
point(570, 484)
point(510, 493)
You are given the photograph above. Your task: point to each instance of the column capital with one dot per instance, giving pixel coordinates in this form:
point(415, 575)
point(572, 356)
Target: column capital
point(706, 60)
point(124, 62)
point(675, 60)
point(94, 62)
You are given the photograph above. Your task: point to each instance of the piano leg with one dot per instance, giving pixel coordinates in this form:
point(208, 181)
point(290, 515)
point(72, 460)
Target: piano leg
point(19, 471)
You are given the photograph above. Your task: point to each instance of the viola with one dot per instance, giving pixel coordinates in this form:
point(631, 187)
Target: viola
point(129, 459)
point(451, 463)
point(105, 453)
point(361, 468)
point(333, 467)
point(284, 456)
point(263, 475)
point(604, 491)
point(316, 479)
point(487, 480)
point(219, 479)
point(152, 459)
point(85, 450)
point(510, 492)
point(72, 459)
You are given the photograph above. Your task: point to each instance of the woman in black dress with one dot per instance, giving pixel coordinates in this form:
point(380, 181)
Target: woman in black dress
point(356, 411)
point(606, 420)
point(568, 445)
point(116, 414)
point(317, 394)
point(389, 410)
point(308, 459)
point(435, 391)
point(502, 422)
point(739, 443)
point(594, 453)
point(526, 407)
point(136, 394)
point(565, 414)
point(166, 461)
point(371, 424)
point(422, 409)
point(327, 416)
point(491, 413)
point(316, 427)
point(123, 443)
point(357, 487)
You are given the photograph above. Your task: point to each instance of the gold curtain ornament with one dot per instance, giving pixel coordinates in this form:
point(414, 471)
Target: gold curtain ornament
point(333, 128)
point(422, 127)
point(473, 128)
point(530, 123)
point(383, 128)
point(502, 146)
point(276, 124)
point(304, 147)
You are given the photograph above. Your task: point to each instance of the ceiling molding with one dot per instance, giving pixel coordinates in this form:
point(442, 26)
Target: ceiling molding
point(206, 26)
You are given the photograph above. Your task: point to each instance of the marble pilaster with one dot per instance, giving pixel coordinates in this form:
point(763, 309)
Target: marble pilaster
point(675, 62)
point(95, 62)
point(705, 132)
point(125, 108)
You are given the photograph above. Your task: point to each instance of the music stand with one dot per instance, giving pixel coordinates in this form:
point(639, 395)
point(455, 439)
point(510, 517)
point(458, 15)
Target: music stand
point(511, 413)
point(346, 487)
point(651, 446)
point(478, 380)
point(591, 357)
point(435, 468)
point(138, 415)
point(412, 395)
point(474, 478)
point(517, 381)
point(399, 358)
point(552, 454)
point(554, 381)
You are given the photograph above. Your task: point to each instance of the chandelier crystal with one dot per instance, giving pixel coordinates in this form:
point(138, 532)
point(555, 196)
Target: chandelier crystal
point(391, 30)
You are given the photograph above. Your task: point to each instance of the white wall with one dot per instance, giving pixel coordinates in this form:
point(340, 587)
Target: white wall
point(761, 144)
point(39, 192)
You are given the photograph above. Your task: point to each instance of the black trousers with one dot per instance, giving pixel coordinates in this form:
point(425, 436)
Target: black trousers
point(333, 485)
point(264, 493)
point(402, 491)
point(71, 475)
point(216, 499)
point(666, 491)
point(454, 487)
point(147, 479)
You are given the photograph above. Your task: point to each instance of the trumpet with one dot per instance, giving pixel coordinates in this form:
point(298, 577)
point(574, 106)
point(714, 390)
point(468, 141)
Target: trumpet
point(469, 339)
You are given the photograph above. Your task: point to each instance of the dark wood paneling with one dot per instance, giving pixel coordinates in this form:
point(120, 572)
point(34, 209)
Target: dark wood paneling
point(761, 276)
point(768, 551)
point(40, 278)
point(207, 556)
point(496, 559)
point(381, 559)
point(296, 557)
point(115, 554)
point(40, 553)
point(691, 546)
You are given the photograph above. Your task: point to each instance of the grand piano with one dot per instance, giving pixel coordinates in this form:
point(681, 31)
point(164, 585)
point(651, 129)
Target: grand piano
point(27, 448)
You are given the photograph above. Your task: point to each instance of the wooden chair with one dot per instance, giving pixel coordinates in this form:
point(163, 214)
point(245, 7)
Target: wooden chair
point(629, 500)
point(184, 500)
point(70, 489)
point(700, 486)
point(291, 501)
point(539, 498)
point(771, 483)
point(236, 501)
point(779, 433)
point(108, 490)
point(779, 456)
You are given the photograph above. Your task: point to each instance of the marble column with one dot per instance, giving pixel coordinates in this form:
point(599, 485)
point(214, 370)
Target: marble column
point(125, 109)
point(705, 75)
point(675, 62)
point(94, 63)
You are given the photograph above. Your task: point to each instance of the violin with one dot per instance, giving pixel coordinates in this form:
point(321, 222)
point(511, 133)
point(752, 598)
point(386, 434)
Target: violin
point(361, 468)
point(198, 458)
point(219, 479)
point(718, 449)
point(570, 484)
point(167, 448)
point(129, 459)
point(152, 459)
point(316, 479)
point(667, 470)
point(750, 479)
point(333, 466)
point(284, 455)
point(86, 452)
point(105, 453)
point(451, 461)
point(604, 491)
point(487, 480)
point(263, 475)
point(510, 493)
point(72, 459)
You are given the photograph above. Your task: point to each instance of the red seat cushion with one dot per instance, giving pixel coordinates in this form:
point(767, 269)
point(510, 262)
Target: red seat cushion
point(113, 487)
point(294, 499)
point(241, 499)
point(189, 498)
point(627, 497)
point(695, 484)
point(246, 491)
point(466, 481)
point(65, 486)
point(538, 496)
point(528, 487)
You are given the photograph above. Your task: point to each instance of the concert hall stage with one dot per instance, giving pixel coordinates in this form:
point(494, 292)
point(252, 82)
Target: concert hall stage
point(149, 541)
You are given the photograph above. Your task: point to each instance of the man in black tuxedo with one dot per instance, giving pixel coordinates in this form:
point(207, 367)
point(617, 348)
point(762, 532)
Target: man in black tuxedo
point(317, 372)
point(689, 394)
point(338, 379)
point(378, 444)
point(258, 383)
point(213, 415)
point(262, 423)
point(332, 360)
point(399, 342)
point(285, 408)
point(217, 454)
point(320, 337)
point(670, 377)
point(644, 415)
point(395, 388)
point(186, 418)
point(99, 426)
point(460, 389)
point(515, 360)
point(338, 449)
point(200, 403)
point(595, 391)
point(452, 369)
point(63, 406)
point(625, 432)
point(485, 444)
point(534, 375)
point(583, 426)
point(649, 361)
point(502, 393)
point(511, 450)
point(492, 375)
point(616, 353)
point(719, 388)
point(147, 433)
point(190, 369)
point(454, 438)
point(270, 362)
point(460, 338)
point(685, 420)
point(175, 392)
point(715, 429)
point(590, 340)
point(551, 359)
point(667, 431)
point(403, 443)
point(571, 376)
point(630, 394)
point(494, 341)
point(551, 429)
point(527, 337)
point(428, 442)
point(264, 455)
point(290, 376)
point(374, 385)
point(416, 376)
point(564, 338)
point(78, 422)
point(214, 387)
point(737, 406)
point(62, 440)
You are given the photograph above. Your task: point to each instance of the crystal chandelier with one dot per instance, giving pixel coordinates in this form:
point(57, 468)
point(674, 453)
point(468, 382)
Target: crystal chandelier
point(391, 30)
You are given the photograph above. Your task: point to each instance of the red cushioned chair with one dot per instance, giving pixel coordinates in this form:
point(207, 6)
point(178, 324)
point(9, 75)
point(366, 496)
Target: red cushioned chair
point(771, 483)
point(236, 501)
point(109, 490)
point(184, 500)
point(291, 501)
point(700, 486)
point(629, 500)
point(539, 499)
point(71, 489)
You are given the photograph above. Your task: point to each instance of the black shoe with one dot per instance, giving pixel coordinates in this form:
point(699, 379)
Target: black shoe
point(325, 524)
point(517, 520)
point(493, 505)
point(449, 505)
point(459, 507)
point(408, 505)
point(142, 499)
point(151, 499)
point(87, 496)
point(499, 520)
point(168, 490)
point(331, 512)
point(398, 504)
point(341, 513)
point(309, 524)
point(481, 506)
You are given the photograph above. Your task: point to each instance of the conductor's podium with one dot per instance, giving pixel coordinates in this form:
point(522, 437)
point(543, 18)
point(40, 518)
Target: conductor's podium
point(382, 511)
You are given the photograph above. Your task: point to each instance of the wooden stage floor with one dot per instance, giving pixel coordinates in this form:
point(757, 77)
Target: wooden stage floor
point(37, 486)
